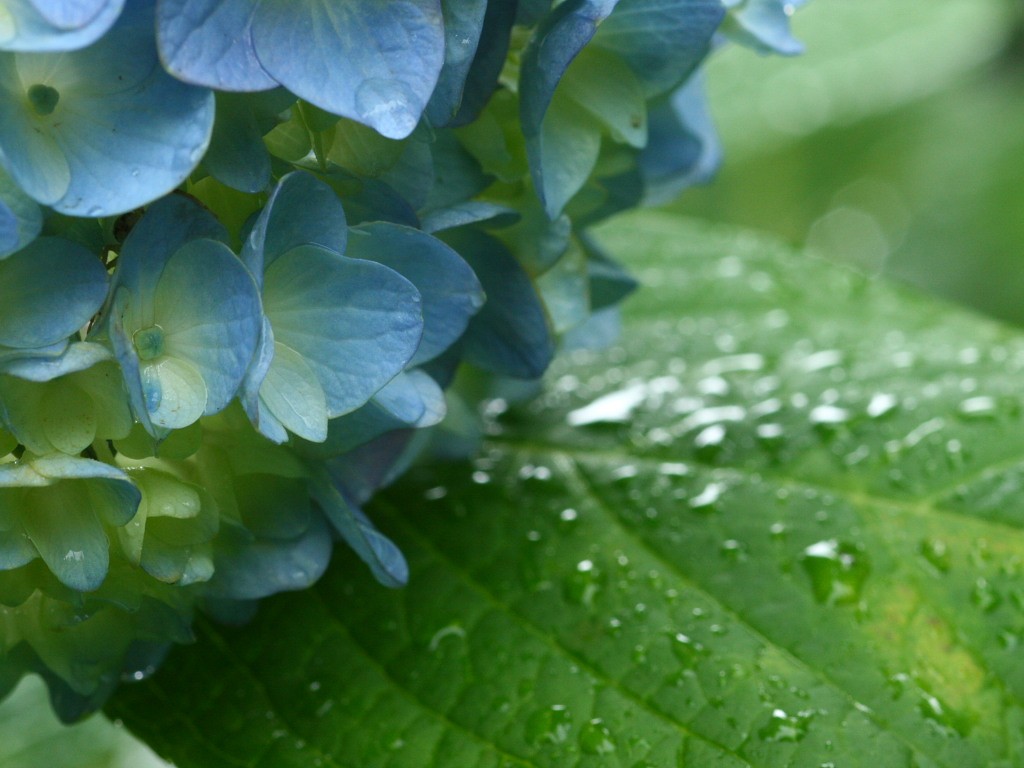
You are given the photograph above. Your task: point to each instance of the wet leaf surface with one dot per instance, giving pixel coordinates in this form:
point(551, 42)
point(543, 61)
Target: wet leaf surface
point(779, 525)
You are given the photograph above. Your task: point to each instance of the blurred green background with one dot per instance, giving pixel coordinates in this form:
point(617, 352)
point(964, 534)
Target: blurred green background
point(894, 144)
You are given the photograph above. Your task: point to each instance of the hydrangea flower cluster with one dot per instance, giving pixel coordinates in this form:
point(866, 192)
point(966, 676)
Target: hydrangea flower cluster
point(246, 247)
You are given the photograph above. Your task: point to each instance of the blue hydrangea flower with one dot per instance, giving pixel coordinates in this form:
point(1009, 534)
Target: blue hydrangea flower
point(101, 130)
point(184, 316)
point(337, 329)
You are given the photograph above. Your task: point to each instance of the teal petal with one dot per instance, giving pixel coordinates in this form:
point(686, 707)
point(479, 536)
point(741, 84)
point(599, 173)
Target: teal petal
point(663, 41)
point(20, 217)
point(38, 313)
point(248, 569)
point(463, 24)
point(558, 165)
point(237, 155)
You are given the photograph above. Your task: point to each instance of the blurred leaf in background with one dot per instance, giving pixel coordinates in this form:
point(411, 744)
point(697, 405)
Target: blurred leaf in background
point(31, 735)
point(893, 144)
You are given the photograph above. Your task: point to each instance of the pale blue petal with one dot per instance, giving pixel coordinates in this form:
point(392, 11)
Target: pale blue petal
point(208, 306)
point(762, 25)
point(71, 14)
point(449, 289)
point(77, 357)
point(412, 398)
point(293, 395)
point(209, 42)
point(167, 226)
point(376, 63)
point(56, 26)
point(176, 394)
point(38, 313)
point(249, 394)
point(122, 133)
point(356, 323)
point(124, 351)
point(470, 212)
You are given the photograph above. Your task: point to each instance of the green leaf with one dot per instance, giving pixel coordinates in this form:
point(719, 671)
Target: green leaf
point(778, 526)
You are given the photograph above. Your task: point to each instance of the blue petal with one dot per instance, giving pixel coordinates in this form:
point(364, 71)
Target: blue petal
point(661, 40)
point(71, 14)
point(450, 290)
point(356, 323)
point(463, 24)
point(376, 63)
point(413, 399)
point(209, 42)
point(375, 549)
point(208, 307)
point(56, 26)
point(762, 25)
point(510, 335)
point(167, 226)
point(20, 218)
point(37, 313)
point(302, 210)
point(248, 570)
point(124, 351)
point(121, 133)
point(683, 147)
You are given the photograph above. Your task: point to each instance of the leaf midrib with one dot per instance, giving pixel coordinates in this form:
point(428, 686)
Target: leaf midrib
point(921, 508)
